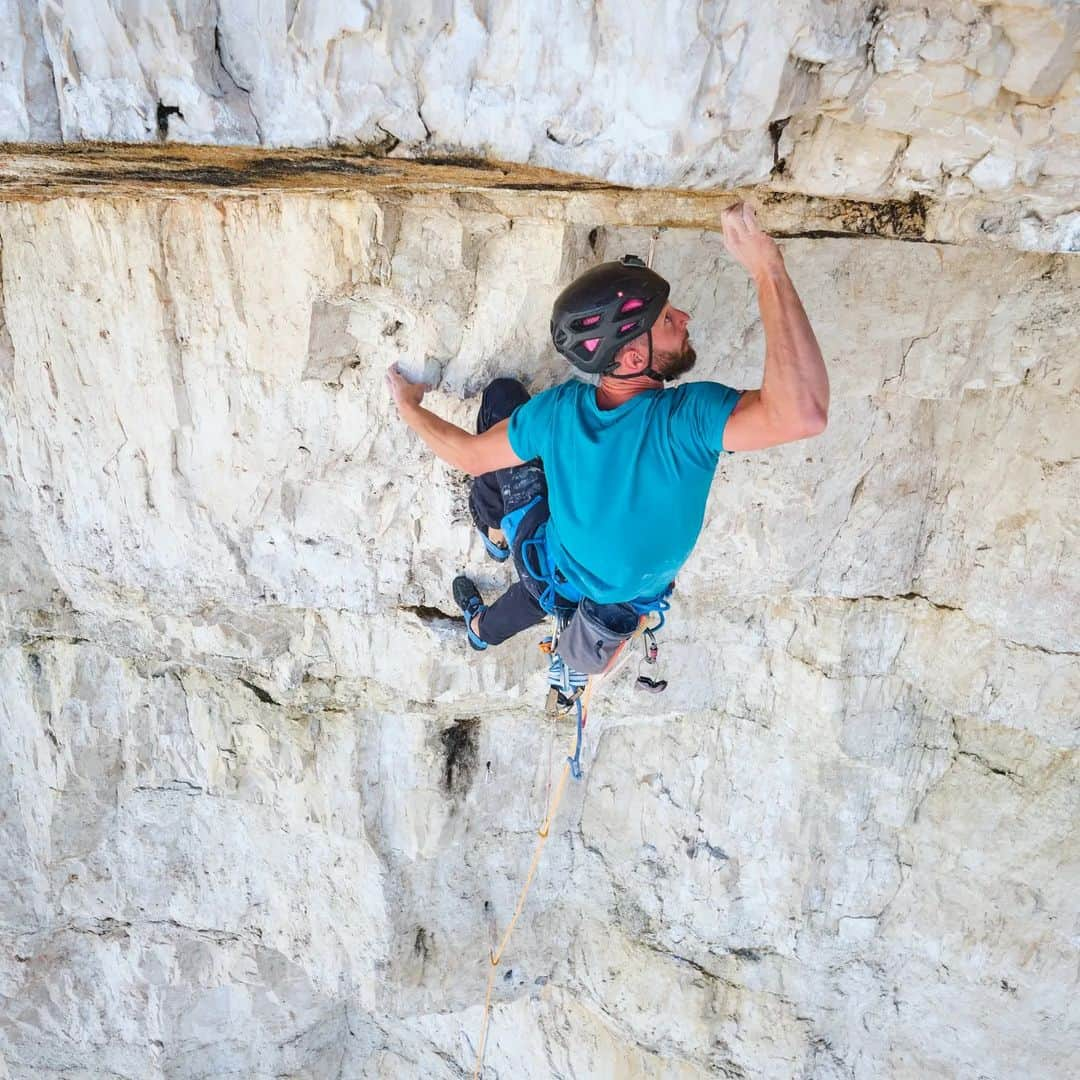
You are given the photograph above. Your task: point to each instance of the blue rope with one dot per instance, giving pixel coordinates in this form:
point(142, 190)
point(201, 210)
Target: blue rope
point(575, 761)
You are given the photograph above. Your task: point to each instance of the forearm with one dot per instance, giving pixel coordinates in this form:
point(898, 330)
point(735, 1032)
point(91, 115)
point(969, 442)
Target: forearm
point(795, 386)
point(453, 444)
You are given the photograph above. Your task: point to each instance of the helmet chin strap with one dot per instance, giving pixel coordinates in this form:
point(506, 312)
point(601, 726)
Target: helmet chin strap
point(649, 371)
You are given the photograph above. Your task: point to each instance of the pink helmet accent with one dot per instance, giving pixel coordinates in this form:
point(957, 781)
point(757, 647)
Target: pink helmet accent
point(631, 305)
point(591, 320)
point(627, 326)
point(591, 344)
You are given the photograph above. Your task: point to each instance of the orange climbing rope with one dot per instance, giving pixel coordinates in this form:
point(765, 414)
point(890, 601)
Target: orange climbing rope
point(542, 836)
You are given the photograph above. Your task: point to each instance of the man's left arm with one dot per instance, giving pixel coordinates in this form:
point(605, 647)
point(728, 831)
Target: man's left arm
point(474, 454)
point(793, 401)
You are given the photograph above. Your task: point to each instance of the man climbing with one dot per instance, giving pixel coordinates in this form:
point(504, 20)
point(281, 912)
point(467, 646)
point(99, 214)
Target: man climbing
point(599, 492)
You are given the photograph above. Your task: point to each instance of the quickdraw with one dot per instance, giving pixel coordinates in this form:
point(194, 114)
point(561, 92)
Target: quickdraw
point(565, 686)
point(652, 651)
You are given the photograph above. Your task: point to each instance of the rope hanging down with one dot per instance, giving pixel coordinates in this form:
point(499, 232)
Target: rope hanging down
point(571, 767)
point(542, 837)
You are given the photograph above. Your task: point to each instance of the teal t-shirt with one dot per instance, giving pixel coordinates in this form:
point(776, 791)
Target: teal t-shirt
point(628, 486)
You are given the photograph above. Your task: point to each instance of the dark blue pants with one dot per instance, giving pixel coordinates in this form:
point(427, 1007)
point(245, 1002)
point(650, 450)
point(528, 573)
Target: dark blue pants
point(496, 494)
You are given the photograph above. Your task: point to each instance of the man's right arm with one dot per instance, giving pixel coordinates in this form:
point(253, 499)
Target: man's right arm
point(474, 454)
point(793, 402)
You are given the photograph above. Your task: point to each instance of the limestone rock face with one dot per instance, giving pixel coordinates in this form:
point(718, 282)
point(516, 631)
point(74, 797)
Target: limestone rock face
point(967, 102)
point(262, 812)
point(260, 808)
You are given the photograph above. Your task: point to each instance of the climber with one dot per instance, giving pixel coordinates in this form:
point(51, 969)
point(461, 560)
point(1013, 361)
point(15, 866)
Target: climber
point(598, 492)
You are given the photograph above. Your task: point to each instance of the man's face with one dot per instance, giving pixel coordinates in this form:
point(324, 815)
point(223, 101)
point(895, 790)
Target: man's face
point(673, 355)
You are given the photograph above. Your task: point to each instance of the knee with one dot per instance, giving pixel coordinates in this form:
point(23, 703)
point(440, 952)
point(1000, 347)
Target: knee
point(505, 385)
point(501, 397)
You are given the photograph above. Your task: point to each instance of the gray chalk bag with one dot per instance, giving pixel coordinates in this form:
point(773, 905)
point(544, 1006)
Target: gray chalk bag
point(594, 634)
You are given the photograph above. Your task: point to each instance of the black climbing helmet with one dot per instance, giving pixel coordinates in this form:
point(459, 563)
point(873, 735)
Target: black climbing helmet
point(603, 309)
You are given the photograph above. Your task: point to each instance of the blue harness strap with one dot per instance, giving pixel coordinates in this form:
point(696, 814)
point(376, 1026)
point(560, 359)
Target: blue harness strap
point(658, 604)
point(537, 560)
point(512, 522)
point(536, 556)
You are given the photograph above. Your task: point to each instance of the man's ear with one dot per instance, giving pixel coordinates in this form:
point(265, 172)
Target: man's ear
point(634, 356)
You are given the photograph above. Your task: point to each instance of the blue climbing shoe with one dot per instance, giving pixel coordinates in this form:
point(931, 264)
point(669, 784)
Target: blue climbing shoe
point(467, 597)
point(499, 552)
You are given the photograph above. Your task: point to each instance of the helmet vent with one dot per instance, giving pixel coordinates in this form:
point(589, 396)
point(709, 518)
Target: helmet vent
point(631, 305)
point(591, 344)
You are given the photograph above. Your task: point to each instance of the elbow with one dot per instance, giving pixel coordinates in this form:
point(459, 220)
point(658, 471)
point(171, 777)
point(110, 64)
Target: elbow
point(814, 424)
point(785, 430)
point(813, 417)
point(474, 465)
point(804, 426)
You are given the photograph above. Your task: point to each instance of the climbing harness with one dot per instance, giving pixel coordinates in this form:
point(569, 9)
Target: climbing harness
point(538, 561)
point(578, 691)
point(536, 557)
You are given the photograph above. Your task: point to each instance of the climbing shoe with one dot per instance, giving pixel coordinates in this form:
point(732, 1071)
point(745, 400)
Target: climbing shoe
point(499, 552)
point(468, 599)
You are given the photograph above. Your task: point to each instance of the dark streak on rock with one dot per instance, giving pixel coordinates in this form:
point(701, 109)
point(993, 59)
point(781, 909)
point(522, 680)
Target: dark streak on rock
point(184, 787)
point(461, 161)
point(428, 614)
point(889, 220)
point(997, 770)
point(459, 745)
point(387, 144)
point(776, 129)
point(421, 947)
point(896, 596)
point(753, 955)
point(581, 185)
point(259, 692)
point(255, 174)
point(163, 114)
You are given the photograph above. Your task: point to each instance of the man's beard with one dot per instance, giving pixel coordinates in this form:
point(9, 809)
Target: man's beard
point(673, 365)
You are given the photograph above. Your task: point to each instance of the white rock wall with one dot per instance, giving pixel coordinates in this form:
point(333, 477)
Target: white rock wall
point(255, 793)
point(954, 101)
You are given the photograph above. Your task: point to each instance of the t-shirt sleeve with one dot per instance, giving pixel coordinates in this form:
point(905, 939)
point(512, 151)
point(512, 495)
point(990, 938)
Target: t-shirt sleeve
point(706, 410)
point(530, 426)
